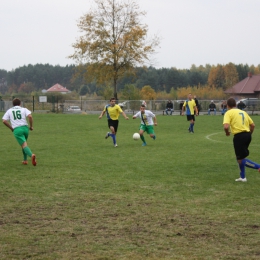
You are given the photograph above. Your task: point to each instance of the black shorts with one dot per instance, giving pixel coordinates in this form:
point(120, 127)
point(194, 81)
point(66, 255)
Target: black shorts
point(113, 123)
point(190, 117)
point(241, 143)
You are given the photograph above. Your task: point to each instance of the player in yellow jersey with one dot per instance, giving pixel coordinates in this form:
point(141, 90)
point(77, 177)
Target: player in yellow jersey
point(113, 111)
point(190, 107)
point(241, 126)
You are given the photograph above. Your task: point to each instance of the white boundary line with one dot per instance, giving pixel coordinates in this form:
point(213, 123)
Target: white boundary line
point(209, 137)
point(212, 140)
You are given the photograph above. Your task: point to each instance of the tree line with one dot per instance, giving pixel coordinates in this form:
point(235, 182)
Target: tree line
point(34, 78)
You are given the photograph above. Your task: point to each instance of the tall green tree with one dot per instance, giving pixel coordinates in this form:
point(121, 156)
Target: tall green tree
point(113, 41)
point(130, 91)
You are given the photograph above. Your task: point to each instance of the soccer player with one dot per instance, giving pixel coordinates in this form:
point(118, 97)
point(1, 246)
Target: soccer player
point(113, 111)
point(17, 116)
point(148, 120)
point(242, 127)
point(190, 107)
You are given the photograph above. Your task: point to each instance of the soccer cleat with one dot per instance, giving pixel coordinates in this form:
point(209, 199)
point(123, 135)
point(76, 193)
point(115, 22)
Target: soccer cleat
point(144, 144)
point(115, 145)
point(154, 137)
point(107, 135)
point(24, 162)
point(192, 132)
point(34, 160)
point(241, 179)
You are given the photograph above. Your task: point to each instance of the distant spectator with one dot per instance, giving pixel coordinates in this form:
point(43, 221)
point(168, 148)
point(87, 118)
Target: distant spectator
point(169, 107)
point(212, 107)
point(181, 105)
point(241, 105)
point(197, 104)
point(224, 107)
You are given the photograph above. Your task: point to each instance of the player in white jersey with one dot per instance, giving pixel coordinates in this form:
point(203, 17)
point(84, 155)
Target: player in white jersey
point(148, 120)
point(18, 125)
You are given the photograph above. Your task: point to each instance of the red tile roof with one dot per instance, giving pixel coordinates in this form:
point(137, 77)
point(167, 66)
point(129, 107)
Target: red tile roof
point(57, 88)
point(249, 85)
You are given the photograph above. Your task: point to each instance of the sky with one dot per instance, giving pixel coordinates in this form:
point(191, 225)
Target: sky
point(195, 32)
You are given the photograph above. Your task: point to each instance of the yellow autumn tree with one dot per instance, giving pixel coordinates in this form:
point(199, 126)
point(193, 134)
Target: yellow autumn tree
point(231, 75)
point(147, 93)
point(113, 41)
point(216, 76)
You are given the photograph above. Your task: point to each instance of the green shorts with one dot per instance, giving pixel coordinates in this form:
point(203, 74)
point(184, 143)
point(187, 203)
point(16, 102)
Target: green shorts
point(147, 128)
point(21, 134)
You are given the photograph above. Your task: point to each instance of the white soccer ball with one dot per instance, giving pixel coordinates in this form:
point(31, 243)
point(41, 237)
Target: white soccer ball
point(136, 136)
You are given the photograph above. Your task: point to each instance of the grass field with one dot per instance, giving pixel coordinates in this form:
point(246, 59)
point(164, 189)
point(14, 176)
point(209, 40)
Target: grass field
point(176, 198)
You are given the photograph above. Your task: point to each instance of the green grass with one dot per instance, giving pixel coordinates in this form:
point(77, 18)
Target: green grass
point(176, 198)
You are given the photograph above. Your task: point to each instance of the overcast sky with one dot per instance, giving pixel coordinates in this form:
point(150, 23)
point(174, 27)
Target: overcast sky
point(196, 32)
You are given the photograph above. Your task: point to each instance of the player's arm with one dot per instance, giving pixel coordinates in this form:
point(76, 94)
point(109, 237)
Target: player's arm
point(155, 120)
point(196, 110)
point(182, 110)
point(30, 121)
point(252, 128)
point(124, 115)
point(226, 129)
point(102, 113)
point(6, 123)
point(136, 115)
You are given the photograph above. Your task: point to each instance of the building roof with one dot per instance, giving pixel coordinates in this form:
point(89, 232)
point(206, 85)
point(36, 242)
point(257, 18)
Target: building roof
point(57, 88)
point(249, 85)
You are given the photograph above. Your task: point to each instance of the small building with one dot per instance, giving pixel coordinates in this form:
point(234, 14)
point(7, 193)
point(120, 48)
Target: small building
point(246, 88)
point(57, 88)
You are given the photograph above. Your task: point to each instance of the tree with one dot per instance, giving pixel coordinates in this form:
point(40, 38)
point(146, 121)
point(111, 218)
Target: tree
point(130, 91)
point(106, 92)
point(83, 90)
point(148, 93)
point(113, 43)
point(27, 87)
point(231, 75)
point(216, 77)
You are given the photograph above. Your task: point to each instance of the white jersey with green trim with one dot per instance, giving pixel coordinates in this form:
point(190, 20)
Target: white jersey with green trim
point(146, 118)
point(17, 116)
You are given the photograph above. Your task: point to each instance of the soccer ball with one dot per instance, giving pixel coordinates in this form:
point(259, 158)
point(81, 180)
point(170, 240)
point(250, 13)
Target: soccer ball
point(136, 136)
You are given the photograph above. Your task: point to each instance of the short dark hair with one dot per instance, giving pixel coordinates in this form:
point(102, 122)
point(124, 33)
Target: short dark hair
point(112, 98)
point(16, 102)
point(142, 105)
point(231, 102)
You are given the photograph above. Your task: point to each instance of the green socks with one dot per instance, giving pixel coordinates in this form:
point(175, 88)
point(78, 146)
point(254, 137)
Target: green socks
point(142, 138)
point(27, 151)
point(24, 155)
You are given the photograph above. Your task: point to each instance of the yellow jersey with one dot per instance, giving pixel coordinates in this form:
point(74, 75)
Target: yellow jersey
point(189, 106)
point(238, 120)
point(113, 112)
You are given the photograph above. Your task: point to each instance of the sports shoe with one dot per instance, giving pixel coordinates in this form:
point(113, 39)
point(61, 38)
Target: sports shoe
point(24, 162)
point(107, 135)
point(115, 145)
point(144, 144)
point(34, 160)
point(240, 179)
point(154, 137)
